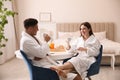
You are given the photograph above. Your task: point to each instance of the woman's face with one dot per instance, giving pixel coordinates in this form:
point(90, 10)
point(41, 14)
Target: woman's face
point(84, 30)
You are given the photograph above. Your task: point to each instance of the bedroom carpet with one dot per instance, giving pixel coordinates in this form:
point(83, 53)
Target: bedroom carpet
point(15, 69)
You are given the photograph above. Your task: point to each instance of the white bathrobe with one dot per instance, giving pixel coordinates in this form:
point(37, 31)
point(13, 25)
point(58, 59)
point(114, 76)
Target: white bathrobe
point(31, 47)
point(84, 59)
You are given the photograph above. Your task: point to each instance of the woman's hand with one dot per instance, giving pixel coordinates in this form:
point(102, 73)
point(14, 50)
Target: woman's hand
point(68, 45)
point(82, 49)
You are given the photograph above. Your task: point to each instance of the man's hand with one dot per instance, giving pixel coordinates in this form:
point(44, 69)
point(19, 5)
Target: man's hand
point(46, 37)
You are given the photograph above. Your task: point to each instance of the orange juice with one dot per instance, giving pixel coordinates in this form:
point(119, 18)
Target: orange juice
point(51, 45)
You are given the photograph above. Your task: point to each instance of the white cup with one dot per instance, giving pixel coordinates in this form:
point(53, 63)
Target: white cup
point(69, 39)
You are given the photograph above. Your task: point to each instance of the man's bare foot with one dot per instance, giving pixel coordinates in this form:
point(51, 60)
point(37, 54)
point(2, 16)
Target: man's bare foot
point(59, 71)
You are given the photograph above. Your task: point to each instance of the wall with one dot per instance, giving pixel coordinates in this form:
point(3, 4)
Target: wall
point(8, 51)
point(72, 11)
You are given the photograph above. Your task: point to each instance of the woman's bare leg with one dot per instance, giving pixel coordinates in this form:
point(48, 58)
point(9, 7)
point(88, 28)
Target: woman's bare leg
point(63, 69)
point(78, 77)
point(60, 72)
point(66, 66)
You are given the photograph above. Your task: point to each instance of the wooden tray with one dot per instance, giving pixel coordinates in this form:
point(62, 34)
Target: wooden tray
point(57, 50)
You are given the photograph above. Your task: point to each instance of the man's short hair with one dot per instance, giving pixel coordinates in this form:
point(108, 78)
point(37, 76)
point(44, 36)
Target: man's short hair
point(30, 22)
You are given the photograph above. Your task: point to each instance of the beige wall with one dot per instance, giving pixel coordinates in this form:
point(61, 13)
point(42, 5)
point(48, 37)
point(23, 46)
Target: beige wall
point(72, 11)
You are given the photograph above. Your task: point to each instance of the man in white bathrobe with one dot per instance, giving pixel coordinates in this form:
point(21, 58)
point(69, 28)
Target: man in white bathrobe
point(35, 50)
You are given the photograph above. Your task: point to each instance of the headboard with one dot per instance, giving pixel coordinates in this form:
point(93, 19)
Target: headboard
point(97, 27)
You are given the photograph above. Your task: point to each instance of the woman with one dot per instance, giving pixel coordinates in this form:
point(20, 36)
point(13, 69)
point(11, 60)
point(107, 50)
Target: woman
point(87, 47)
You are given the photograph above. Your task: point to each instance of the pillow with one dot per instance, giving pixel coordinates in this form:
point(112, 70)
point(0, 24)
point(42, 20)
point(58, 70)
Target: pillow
point(66, 35)
point(100, 35)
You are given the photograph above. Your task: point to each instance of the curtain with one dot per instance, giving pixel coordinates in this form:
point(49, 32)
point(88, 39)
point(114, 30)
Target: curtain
point(10, 33)
point(15, 19)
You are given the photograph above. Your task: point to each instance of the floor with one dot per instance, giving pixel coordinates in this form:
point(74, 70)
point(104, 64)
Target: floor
point(15, 69)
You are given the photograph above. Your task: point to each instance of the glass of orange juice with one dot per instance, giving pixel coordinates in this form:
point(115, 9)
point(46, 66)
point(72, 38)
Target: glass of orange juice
point(51, 45)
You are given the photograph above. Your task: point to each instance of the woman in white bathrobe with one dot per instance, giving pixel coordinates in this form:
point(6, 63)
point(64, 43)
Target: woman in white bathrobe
point(87, 47)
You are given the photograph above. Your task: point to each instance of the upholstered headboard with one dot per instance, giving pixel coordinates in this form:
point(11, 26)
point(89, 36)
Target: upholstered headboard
point(97, 27)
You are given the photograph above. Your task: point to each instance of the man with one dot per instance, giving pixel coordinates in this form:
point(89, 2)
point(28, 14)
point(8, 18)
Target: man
point(35, 50)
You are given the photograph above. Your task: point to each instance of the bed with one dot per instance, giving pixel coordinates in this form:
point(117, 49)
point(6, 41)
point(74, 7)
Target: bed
point(103, 31)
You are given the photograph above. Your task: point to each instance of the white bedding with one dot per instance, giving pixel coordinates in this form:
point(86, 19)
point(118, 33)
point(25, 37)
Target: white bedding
point(110, 46)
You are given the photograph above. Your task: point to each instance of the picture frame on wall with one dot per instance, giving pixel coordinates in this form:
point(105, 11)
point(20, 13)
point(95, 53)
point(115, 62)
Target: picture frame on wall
point(45, 17)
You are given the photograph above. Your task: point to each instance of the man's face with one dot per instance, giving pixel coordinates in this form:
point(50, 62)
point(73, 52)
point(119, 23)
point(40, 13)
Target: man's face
point(34, 30)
